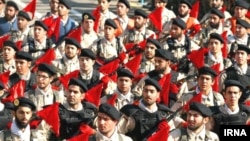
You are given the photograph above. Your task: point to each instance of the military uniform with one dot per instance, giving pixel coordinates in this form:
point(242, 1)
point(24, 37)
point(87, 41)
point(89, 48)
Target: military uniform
point(88, 39)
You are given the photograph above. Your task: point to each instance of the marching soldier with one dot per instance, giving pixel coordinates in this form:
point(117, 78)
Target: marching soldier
point(53, 4)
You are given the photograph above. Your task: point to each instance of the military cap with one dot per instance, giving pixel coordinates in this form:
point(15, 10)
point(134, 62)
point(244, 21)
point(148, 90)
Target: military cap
point(24, 15)
point(201, 108)
point(87, 16)
point(140, 12)
point(207, 71)
point(44, 67)
point(123, 72)
point(11, 44)
point(41, 24)
point(88, 53)
point(187, 3)
point(12, 4)
point(125, 2)
point(243, 23)
point(24, 102)
point(78, 82)
point(23, 55)
point(150, 81)
point(155, 42)
point(109, 110)
point(65, 3)
point(229, 83)
point(164, 54)
point(217, 12)
point(179, 22)
point(242, 3)
point(244, 48)
point(72, 41)
point(110, 22)
point(217, 36)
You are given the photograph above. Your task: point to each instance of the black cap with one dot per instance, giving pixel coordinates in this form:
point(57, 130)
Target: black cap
point(155, 42)
point(11, 44)
point(78, 82)
point(207, 71)
point(65, 3)
point(216, 36)
point(88, 53)
point(243, 23)
point(179, 22)
point(167, 55)
point(109, 110)
point(242, 3)
point(229, 83)
point(111, 23)
point(244, 48)
point(187, 3)
point(25, 102)
point(41, 24)
point(44, 67)
point(24, 15)
point(23, 55)
point(140, 12)
point(12, 4)
point(154, 83)
point(125, 2)
point(123, 72)
point(201, 108)
point(217, 12)
point(72, 41)
point(87, 16)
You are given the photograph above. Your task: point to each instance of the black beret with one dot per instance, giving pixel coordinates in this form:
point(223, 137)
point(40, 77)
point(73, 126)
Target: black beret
point(179, 22)
point(122, 72)
point(140, 12)
point(216, 36)
point(78, 82)
point(24, 15)
point(41, 24)
point(244, 48)
point(242, 3)
point(44, 67)
point(167, 55)
point(1, 86)
point(228, 83)
point(12, 4)
point(110, 110)
point(155, 42)
point(87, 16)
point(187, 3)
point(243, 23)
point(111, 23)
point(217, 12)
point(25, 102)
point(23, 55)
point(11, 44)
point(88, 53)
point(125, 2)
point(72, 41)
point(154, 83)
point(65, 3)
point(207, 71)
point(201, 108)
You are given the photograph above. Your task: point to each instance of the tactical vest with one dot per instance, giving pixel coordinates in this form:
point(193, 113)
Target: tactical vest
point(95, 79)
point(33, 49)
point(185, 137)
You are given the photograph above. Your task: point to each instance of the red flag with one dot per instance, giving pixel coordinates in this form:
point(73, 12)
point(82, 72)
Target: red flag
point(97, 14)
point(224, 48)
point(3, 39)
point(19, 44)
point(112, 99)
point(134, 64)
point(51, 116)
point(65, 78)
point(156, 18)
point(162, 133)
point(110, 67)
point(93, 95)
point(56, 28)
point(248, 14)
point(51, 24)
point(165, 83)
point(86, 131)
point(197, 57)
point(194, 30)
point(17, 90)
point(31, 7)
point(129, 46)
point(195, 9)
point(76, 34)
point(216, 67)
point(195, 98)
point(4, 78)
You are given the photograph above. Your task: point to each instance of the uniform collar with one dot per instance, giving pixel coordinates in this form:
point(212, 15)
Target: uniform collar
point(114, 136)
point(66, 105)
point(143, 107)
point(199, 136)
point(229, 110)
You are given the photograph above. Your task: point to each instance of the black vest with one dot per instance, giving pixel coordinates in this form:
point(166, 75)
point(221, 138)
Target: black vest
point(95, 79)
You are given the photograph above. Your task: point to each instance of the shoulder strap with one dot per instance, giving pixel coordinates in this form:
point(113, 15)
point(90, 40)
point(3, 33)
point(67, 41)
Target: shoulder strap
point(248, 40)
point(7, 135)
point(98, 47)
point(118, 46)
point(184, 134)
point(187, 44)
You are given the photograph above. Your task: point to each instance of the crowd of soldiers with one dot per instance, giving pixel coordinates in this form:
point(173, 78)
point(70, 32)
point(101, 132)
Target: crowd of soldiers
point(115, 77)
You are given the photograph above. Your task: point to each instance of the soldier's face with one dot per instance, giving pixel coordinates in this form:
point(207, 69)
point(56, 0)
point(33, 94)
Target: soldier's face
point(216, 3)
point(150, 50)
point(139, 22)
point(54, 5)
point(22, 23)
point(240, 12)
point(124, 84)
point(149, 95)
point(241, 57)
point(106, 125)
point(195, 120)
point(240, 31)
point(62, 10)
point(104, 5)
point(86, 63)
point(175, 31)
point(71, 51)
point(8, 53)
point(183, 10)
point(43, 79)
point(232, 95)
point(214, 21)
point(10, 12)
point(22, 66)
point(88, 25)
point(161, 65)
point(23, 116)
point(121, 9)
point(159, 3)
point(39, 33)
point(109, 32)
point(215, 46)
point(74, 95)
point(205, 82)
